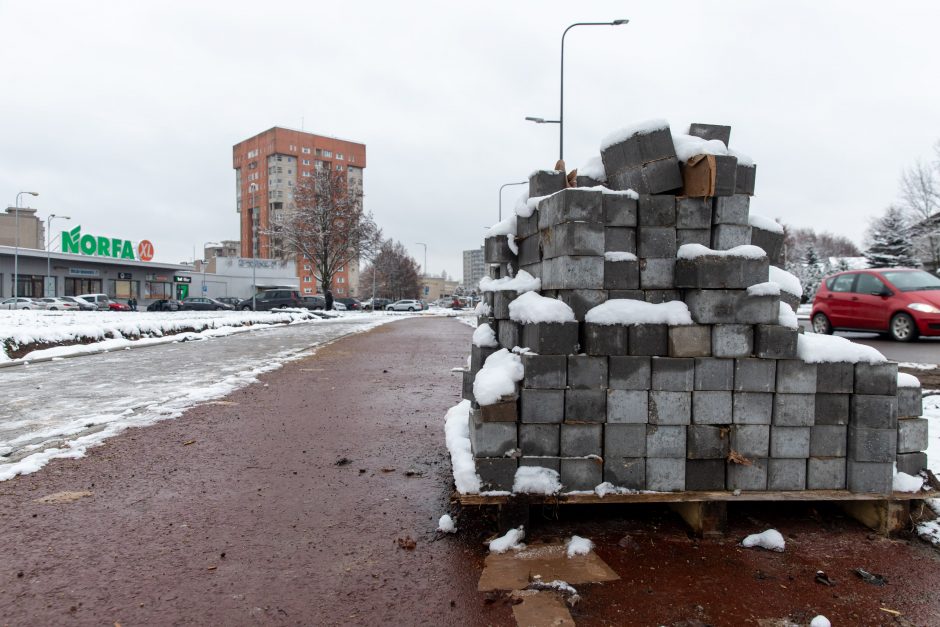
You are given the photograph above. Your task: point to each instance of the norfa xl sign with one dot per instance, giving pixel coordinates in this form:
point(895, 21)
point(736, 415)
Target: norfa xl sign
point(74, 242)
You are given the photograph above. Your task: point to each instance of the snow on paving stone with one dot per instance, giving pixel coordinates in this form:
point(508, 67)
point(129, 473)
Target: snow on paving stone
point(619, 256)
point(764, 223)
point(446, 524)
point(457, 438)
point(820, 621)
point(787, 281)
point(484, 336)
point(907, 380)
point(787, 318)
point(640, 128)
point(694, 251)
point(771, 540)
point(904, 482)
point(522, 282)
point(522, 208)
point(688, 146)
point(530, 308)
point(814, 348)
point(498, 377)
point(506, 226)
point(536, 480)
point(629, 311)
point(594, 168)
point(742, 158)
point(577, 545)
point(512, 540)
point(764, 289)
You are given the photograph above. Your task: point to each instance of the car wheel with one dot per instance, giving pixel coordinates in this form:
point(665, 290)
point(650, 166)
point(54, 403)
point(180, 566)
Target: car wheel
point(821, 324)
point(411, 309)
point(903, 328)
point(53, 309)
point(246, 308)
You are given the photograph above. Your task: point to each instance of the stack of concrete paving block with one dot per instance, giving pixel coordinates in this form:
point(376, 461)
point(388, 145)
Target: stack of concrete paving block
point(724, 403)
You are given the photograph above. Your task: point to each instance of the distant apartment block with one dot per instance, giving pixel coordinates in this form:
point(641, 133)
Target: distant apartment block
point(473, 268)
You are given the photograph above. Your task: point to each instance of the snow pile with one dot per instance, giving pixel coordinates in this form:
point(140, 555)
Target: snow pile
point(629, 311)
point(498, 377)
point(594, 168)
point(536, 480)
point(578, 546)
point(787, 317)
point(693, 251)
point(607, 488)
point(457, 438)
point(688, 146)
point(907, 380)
point(929, 531)
point(820, 621)
point(522, 282)
point(484, 336)
point(619, 256)
point(640, 128)
point(530, 308)
point(814, 348)
point(629, 193)
point(764, 289)
point(742, 158)
point(512, 540)
point(904, 482)
point(523, 209)
point(764, 223)
point(770, 540)
point(482, 309)
point(787, 282)
point(446, 524)
point(507, 226)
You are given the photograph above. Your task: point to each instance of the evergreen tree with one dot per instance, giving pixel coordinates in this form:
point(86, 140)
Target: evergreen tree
point(814, 271)
point(889, 241)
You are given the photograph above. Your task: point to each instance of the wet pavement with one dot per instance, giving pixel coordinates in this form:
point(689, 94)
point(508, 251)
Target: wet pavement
point(295, 501)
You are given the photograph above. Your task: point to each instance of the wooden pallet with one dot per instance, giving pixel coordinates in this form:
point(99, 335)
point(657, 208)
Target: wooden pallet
point(706, 512)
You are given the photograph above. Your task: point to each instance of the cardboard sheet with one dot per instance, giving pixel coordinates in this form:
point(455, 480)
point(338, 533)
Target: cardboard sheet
point(515, 569)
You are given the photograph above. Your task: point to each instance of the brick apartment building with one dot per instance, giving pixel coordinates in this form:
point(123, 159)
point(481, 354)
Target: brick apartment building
point(267, 168)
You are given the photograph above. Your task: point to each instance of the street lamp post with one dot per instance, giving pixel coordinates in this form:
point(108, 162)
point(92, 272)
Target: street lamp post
point(561, 108)
point(501, 196)
point(424, 269)
point(254, 248)
point(16, 254)
point(205, 262)
point(49, 246)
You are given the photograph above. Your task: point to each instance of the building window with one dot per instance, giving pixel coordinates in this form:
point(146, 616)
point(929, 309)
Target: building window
point(290, 171)
point(352, 159)
point(306, 161)
point(293, 147)
point(339, 156)
point(278, 157)
point(327, 153)
point(308, 290)
point(318, 165)
point(252, 153)
point(307, 267)
point(340, 279)
point(340, 291)
point(319, 152)
point(306, 151)
point(307, 279)
point(305, 173)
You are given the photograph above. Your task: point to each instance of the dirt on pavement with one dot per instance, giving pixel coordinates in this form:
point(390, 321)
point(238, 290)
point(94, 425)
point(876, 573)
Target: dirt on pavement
point(312, 497)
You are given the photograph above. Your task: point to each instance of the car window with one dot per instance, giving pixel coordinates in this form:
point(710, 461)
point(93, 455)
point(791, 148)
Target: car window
point(868, 283)
point(842, 283)
point(912, 281)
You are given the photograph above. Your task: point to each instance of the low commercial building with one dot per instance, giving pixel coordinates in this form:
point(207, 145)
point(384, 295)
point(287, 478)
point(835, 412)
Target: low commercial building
point(434, 288)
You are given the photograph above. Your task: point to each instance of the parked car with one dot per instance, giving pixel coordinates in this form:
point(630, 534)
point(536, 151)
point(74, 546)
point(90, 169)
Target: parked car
point(83, 304)
point(405, 305)
point(338, 306)
point(272, 299)
point(313, 302)
point(901, 302)
point(101, 301)
point(378, 305)
point(351, 303)
point(116, 306)
point(58, 304)
point(20, 302)
point(199, 303)
point(229, 300)
point(164, 304)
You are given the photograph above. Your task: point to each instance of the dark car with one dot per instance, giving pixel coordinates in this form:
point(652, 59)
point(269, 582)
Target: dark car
point(901, 302)
point(164, 304)
point(313, 302)
point(199, 303)
point(352, 304)
point(272, 299)
point(378, 304)
point(229, 300)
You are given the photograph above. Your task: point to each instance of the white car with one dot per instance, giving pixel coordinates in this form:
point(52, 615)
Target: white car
point(58, 304)
point(101, 301)
point(20, 303)
point(405, 305)
point(82, 304)
point(338, 306)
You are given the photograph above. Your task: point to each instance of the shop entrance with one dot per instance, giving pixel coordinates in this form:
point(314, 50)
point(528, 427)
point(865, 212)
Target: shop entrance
point(182, 291)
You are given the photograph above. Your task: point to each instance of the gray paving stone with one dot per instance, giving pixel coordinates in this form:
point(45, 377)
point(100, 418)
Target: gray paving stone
point(657, 273)
point(744, 179)
point(657, 210)
point(545, 182)
point(832, 409)
point(492, 439)
point(620, 239)
point(773, 341)
point(875, 412)
point(569, 273)
point(587, 372)
point(629, 373)
point(732, 340)
point(755, 375)
point(625, 440)
point(757, 309)
point(751, 441)
point(673, 374)
point(751, 477)
point(753, 408)
point(770, 242)
point(551, 338)
point(912, 463)
point(497, 473)
point(702, 237)
point(665, 474)
point(501, 300)
point(711, 131)
point(870, 477)
point(478, 355)
point(789, 442)
point(670, 408)
point(542, 405)
point(910, 402)
point(496, 250)
point(530, 250)
point(581, 301)
point(912, 435)
point(620, 210)
point(605, 339)
point(656, 241)
point(622, 275)
point(648, 339)
point(553, 463)
point(625, 472)
point(731, 209)
point(711, 407)
point(825, 473)
point(545, 371)
point(527, 227)
point(786, 474)
point(728, 236)
point(704, 474)
point(665, 441)
point(585, 405)
point(539, 439)
point(581, 474)
point(707, 442)
point(876, 379)
point(694, 213)
point(661, 296)
point(795, 376)
point(572, 239)
point(794, 410)
point(579, 440)
point(714, 374)
point(509, 333)
point(571, 205)
point(828, 441)
point(872, 445)
point(628, 406)
point(467, 389)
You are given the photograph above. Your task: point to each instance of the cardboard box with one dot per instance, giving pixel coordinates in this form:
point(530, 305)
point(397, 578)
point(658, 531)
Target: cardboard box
point(709, 175)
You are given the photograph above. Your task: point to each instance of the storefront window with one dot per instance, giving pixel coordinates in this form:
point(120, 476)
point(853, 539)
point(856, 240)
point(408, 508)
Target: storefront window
point(29, 286)
point(77, 287)
point(123, 290)
point(155, 290)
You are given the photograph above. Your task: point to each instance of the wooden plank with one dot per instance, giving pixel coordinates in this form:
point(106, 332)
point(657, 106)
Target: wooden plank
point(707, 519)
point(884, 517)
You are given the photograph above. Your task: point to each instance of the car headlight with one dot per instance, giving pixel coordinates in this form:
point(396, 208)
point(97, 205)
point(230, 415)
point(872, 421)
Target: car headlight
point(924, 308)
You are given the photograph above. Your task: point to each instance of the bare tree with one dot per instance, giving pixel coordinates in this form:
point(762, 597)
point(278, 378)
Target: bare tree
point(798, 241)
point(920, 200)
point(326, 223)
point(396, 272)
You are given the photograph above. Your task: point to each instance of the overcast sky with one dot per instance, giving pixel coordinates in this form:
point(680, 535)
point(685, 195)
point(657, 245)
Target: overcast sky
point(123, 114)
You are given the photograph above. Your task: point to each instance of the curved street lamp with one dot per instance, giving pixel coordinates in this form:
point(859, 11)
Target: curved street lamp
point(501, 195)
point(49, 247)
point(16, 254)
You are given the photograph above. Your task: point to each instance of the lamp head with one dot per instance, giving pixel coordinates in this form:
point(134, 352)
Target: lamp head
point(619, 22)
point(536, 120)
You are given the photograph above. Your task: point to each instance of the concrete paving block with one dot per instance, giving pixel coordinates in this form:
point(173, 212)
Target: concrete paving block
point(496, 250)
point(726, 169)
point(753, 408)
point(744, 179)
point(620, 210)
point(657, 210)
point(670, 408)
point(720, 272)
point(572, 239)
point(790, 300)
point(638, 149)
point(622, 275)
point(912, 435)
point(707, 442)
point(627, 294)
point(731, 209)
point(825, 473)
point(770, 242)
point(661, 176)
point(794, 410)
point(605, 339)
point(539, 439)
point(629, 373)
point(657, 273)
point(586, 181)
point(492, 439)
point(509, 334)
point(527, 227)
point(625, 472)
point(553, 463)
point(497, 473)
point(660, 296)
point(751, 441)
point(581, 301)
point(713, 306)
point(624, 440)
point(772, 341)
point(620, 239)
point(501, 270)
point(828, 441)
point(704, 475)
point(869, 477)
point(571, 205)
point(912, 463)
point(832, 409)
point(587, 372)
point(876, 379)
point(757, 309)
point(872, 445)
point(551, 338)
point(665, 441)
point(713, 374)
point(530, 250)
point(732, 340)
point(545, 371)
point(541, 405)
point(628, 406)
point(467, 388)
point(789, 442)
point(535, 269)
point(711, 131)
point(728, 236)
point(581, 474)
point(751, 477)
point(874, 412)
point(693, 236)
point(581, 440)
point(656, 241)
point(478, 355)
point(694, 213)
point(673, 374)
point(665, 474)
point(755, 375)
point(585, 405)
point(711, 407)
point(572, 273)
point(504, 411)
point(910, 402)
point(691, 340)
point(545, 182)
point(786, 474)
point(648, 339)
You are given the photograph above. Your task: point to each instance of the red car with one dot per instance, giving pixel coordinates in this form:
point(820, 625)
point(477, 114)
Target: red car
point(901, 302)
point(116, 306)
